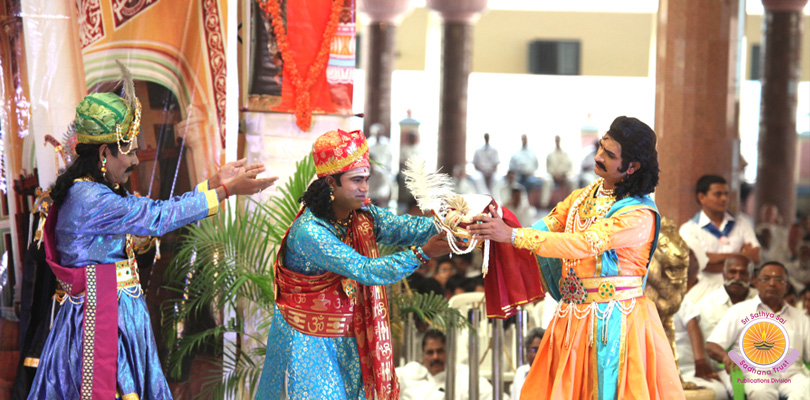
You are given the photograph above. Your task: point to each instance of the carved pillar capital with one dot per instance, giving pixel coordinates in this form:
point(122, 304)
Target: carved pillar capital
point(784, 5)
point(458, 10)
point(387, 11)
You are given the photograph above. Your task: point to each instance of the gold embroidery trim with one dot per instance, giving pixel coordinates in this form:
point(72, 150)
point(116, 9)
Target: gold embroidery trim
point(89, 334)
point(130, 396)
point(336, 164)
point(319, 324)
point(598, 235)
point(529, 239)
point(552, 224)
point(616, 288)
point(31, 362)
point(212, 201)
point(622, 378)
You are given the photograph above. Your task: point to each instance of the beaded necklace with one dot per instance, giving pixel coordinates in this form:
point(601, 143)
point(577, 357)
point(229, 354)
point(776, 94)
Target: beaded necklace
point(584, 213)
point(338, 223)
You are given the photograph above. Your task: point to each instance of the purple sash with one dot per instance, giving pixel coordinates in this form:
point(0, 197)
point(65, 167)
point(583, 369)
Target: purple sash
point(100, 323)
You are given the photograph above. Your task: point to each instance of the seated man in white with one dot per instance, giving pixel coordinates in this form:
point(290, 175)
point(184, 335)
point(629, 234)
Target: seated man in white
point(692, 359)
point(736, 288)
point(793, 382)
point(426, 381)
point(530, 345)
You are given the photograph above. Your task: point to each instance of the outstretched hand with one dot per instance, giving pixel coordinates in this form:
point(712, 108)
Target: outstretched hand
point(231, 170)
point(490, 227)
point(246, 183)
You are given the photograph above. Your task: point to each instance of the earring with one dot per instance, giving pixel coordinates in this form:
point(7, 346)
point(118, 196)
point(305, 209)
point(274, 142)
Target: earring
point(104, 167)
point(331, 194)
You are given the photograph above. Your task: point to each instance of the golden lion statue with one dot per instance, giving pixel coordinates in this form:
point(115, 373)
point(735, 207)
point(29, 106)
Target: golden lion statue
point(666, 278)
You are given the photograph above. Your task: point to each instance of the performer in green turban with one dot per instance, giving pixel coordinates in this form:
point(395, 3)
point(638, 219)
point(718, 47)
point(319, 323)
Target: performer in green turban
point(101, 345)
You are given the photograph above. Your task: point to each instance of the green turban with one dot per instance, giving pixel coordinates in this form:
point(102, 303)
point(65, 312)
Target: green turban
point(106, 118)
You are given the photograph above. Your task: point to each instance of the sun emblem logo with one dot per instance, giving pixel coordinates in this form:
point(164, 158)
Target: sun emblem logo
point(764, 343)
point(764, 347)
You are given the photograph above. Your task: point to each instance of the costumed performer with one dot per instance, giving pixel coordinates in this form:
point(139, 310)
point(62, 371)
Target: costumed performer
point(330, 337)
point(101, 345)
point(606, 340)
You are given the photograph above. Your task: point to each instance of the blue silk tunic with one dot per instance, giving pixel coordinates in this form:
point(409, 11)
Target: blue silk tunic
point(310, 367)
point(92, 228)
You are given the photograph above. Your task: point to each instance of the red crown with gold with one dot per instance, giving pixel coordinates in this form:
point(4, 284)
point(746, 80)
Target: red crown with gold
point(338, 151)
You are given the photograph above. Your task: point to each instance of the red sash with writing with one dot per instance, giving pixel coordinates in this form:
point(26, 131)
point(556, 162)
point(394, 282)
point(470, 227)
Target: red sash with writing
point(100, 321)
point(513, 277)
point(330, 305)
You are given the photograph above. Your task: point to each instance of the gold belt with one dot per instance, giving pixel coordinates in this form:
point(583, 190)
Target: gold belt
point(617, 288)
point(126, 276)
point(600, 289)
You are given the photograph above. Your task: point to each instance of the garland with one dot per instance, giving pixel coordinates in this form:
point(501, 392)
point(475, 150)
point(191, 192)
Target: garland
point(302, 87)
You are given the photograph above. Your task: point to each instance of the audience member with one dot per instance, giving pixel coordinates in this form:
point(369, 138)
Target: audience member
point(718, 232)
point(380, 178)
point(408, 148)
point(799, 268)
point(473, 284)
point(736, 288)
point(426, 381)
point(464, 265)
point(427, 285)
point(791, 296)
point(502, 189)
point(692, 361)
point(531, 344)
point(518, 204)
point(525, 165)
point(804, 296)
point(560, 168)
point(486, 161)
point(454, 285)
point(464, 184)
point(793, 382)
point(445, 268)
point(799, 232)
point(587, 174)
point(774, 233)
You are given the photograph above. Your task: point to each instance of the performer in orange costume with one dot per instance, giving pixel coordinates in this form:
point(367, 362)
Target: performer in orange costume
point(606, 340)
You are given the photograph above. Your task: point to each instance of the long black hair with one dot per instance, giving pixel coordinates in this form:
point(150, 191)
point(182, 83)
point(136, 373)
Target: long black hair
point(317, 198)
point(85, 164)
point(638, 144)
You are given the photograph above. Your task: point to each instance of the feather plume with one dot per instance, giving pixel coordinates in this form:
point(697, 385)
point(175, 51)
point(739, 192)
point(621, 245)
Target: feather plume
point(430, 189)
point(129, 85)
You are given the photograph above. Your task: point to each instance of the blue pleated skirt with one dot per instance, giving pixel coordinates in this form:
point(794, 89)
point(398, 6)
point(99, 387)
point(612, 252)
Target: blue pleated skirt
point(139, 372)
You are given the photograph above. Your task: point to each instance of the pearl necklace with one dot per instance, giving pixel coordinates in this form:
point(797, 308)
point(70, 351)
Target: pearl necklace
point(575, 224)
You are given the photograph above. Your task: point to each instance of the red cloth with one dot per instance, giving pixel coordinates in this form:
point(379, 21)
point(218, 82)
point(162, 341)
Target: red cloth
point(100, 321)
point(513, 277)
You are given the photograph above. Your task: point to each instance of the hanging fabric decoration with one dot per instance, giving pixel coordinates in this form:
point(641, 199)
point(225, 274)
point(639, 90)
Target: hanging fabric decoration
point(302, 84)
